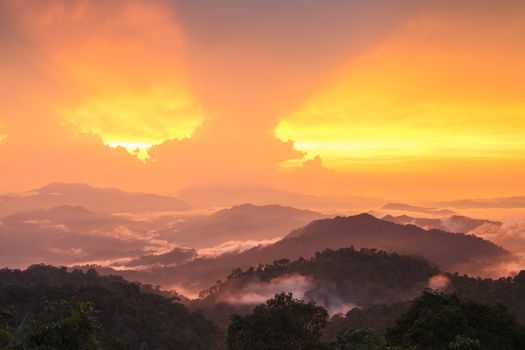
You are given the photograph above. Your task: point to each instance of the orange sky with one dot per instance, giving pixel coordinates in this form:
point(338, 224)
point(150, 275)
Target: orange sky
point(398, 99)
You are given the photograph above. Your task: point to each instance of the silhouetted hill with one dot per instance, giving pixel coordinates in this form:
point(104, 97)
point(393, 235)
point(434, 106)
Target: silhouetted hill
point(416, 209)
point(174, 257)
point(108, 200)
point(130, 317)
point(239, 223)
point(74, 217)
point(338, 280)
point(450, 251)
point(454, 223)
point(507, 203)
point(226, 196)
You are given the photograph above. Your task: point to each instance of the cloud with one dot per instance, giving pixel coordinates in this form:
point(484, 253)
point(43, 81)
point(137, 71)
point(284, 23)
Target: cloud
point(511, 236)
point(258, 292)
point(235, 246)
point(72, 235)
point(112, 63)
point(207, 83)
point(438, 282)
point(130, 73)
point(302, 287)
point(110, 69)
point(47, 224)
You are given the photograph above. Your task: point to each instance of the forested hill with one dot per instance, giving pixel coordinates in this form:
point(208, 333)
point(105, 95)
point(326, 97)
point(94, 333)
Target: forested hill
point(453, 252)
point(365, 276)
point(336, 279)
point(129, 318)
point(508, 291)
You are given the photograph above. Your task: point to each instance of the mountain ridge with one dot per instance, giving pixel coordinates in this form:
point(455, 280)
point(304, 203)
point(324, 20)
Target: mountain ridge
point(451, 252)
point(109, 200)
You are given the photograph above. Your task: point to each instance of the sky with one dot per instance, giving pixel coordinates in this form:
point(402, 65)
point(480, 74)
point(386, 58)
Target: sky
point(403, 99)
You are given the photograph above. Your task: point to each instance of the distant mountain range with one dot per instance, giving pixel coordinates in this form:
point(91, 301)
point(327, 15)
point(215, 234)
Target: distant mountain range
point(454, 223)
point(73, 217)
point(227, 196)
point(174, 257)
point(450, 251)
point(488, 203)
point(72, 234)
point(67, 235)
point(416, 209)
point(107, 200)
point(238, 223)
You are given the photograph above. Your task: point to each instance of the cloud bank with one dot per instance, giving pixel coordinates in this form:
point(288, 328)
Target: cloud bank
point(200, 89)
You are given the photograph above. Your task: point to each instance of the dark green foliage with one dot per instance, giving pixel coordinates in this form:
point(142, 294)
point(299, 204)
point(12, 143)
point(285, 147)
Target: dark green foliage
point(375, 317)
point(464, 343)
point(129, 318)
point(508, 291)
point(433, 321)
point(358, 339)
point(283, 323)
point(64, 325)
point(369, 276)
point(444, 321)
point(5, 335)
point(363, 277)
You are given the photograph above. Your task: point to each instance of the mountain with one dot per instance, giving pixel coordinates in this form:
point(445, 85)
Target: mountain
point(488, 203)
point(509, 291)
point(454, 223)
point(226, 196)
point(107, 200)
point(73, 217)
point(338, 280)
point(450, 251)
point(416, 209)
point(69, 235)
point(131, 316)
point(174, 257)
point(238, 223)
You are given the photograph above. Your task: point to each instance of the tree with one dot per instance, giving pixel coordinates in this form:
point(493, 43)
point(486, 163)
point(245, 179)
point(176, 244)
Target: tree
point(283, 323)
point(65, 325)
point(444, 321)
point(5, 334)
point(464, 343)
point(131, 316)
point(358, 339)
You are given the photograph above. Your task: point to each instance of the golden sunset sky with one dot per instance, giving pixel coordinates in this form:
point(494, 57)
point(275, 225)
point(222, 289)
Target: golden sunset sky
point(403, 99)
